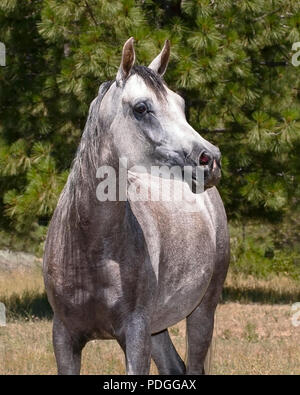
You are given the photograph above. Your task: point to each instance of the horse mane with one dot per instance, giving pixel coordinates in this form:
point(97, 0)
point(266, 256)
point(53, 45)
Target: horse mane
point(87, 151)
point(85, 157)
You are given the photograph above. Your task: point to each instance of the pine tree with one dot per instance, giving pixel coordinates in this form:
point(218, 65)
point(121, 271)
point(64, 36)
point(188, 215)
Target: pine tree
point(231, 61)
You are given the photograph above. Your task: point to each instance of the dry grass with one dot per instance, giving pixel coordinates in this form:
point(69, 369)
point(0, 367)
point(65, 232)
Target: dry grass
point(272, 290)
point(256, 339)
point(277, 283)
point(21, 280)
point(249, 338)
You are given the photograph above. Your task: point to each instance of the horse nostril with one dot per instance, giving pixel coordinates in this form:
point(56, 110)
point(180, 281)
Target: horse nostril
point(204, 159)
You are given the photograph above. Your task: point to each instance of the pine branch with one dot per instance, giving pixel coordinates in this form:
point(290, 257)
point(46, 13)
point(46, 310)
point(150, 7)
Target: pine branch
point(267, 14)
point(88, 7)
point(275, 64)
point(214, 131)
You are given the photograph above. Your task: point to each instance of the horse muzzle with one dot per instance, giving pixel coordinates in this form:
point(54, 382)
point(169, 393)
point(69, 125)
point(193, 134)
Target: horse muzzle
point(210, 163)
point(207, 163)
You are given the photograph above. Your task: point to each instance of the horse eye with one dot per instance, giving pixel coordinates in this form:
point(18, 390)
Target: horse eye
point(140, 108)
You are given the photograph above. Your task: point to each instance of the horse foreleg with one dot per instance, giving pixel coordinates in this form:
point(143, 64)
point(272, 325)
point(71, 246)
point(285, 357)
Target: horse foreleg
point(67, 349)
point(165, 355)
point(135, 340)
point(200, 325)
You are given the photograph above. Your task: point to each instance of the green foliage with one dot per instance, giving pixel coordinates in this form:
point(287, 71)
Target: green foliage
point(231, 61)
point(256, 251)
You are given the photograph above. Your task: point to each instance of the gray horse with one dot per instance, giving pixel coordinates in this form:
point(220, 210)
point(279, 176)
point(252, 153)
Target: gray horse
point(128, 270)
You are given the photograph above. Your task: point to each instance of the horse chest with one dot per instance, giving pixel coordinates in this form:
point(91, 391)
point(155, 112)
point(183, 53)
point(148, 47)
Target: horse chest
point(182, 251)
point(184, 273)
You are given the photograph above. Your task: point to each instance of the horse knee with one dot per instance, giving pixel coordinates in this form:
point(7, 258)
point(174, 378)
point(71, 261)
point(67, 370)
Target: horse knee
point(67, 349)
point(135, 340)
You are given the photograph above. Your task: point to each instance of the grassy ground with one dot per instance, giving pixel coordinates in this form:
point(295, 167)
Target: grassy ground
point(249, 339)
point(252, 336)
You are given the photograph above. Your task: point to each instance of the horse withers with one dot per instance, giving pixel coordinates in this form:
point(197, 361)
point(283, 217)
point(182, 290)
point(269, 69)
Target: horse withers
point(127, 269)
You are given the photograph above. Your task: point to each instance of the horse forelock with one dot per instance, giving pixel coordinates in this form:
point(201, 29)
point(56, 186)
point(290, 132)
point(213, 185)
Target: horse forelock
point(152, 80)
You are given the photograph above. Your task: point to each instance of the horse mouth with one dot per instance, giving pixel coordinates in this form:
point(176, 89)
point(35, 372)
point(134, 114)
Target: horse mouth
point(213, 178)
point(198, 184)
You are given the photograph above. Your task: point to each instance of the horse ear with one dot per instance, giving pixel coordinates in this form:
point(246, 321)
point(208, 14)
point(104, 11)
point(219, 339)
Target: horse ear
point(160, 63)
point(128, 58)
